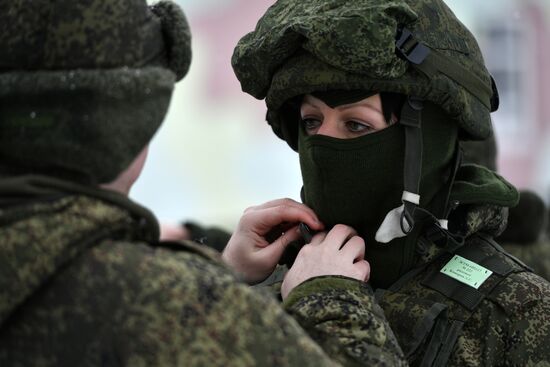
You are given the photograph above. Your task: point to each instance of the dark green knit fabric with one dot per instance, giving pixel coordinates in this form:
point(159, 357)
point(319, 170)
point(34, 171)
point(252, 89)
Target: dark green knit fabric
point(358, 181)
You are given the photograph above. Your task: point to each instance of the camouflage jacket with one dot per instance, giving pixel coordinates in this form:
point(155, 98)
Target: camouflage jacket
point(84, 282)
point(440, 321)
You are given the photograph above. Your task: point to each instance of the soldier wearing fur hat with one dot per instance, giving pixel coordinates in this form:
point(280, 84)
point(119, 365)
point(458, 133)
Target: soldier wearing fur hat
point(375, 96)
point(84, 281)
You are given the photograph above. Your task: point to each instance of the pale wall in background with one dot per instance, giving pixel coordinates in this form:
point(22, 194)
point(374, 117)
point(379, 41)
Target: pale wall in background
point(215, 155)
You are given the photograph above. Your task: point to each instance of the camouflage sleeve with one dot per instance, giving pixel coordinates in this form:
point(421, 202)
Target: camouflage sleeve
point(343, 317)
point(187, 309)
point(527, 335)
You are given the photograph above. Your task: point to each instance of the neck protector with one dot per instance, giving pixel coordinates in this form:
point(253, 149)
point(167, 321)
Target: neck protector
point(358, 181)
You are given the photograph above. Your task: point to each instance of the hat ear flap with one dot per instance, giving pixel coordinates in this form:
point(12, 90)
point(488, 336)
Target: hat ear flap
point(177, 36)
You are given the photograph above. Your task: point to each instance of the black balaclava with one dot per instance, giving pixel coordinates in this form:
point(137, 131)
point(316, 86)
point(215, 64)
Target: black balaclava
point(358, 181)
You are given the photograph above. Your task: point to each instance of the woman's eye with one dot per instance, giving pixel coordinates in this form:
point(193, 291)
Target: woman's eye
point(310, 124)
point(357, 127)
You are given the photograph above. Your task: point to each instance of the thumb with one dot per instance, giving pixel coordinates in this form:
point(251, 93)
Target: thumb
point(276, 248)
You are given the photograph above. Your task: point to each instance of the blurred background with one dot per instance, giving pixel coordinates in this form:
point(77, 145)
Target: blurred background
point(215, 155)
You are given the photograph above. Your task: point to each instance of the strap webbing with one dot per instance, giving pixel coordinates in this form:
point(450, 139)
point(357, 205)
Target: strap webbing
point(434, 345)
point(495, 245)
point(491, 261)
point(435, 315)
point(430, 61)
point(436, 61)
point(411, 119)
point(467, 296)
point(411, 116)
point(448, 344)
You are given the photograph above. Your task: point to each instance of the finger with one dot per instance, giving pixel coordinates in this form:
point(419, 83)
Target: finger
point(276, 249)
point(277, 202)
point(339, 235)
point(354, 249)
point(318, 238)
point(363, 270)
point(285, 203)
point(292, 234)
point(263, 220)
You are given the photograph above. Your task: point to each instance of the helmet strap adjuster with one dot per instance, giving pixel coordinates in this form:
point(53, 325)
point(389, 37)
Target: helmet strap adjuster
point(409, 48)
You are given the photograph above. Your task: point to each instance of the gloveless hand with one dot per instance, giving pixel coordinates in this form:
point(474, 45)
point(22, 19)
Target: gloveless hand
point(338, 252)
point(250, 253)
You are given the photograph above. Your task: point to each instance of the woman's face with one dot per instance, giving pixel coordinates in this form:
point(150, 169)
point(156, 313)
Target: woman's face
point(345, 121)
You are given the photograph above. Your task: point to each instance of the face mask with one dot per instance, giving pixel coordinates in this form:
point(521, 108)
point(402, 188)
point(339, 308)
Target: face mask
point(354, 181)
point(358, 181)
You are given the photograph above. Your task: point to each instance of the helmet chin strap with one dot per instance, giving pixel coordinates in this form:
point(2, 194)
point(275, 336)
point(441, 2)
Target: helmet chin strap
point(400, 221)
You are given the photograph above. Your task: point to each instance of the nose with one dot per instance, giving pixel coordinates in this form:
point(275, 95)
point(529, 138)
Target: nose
point(329, 127)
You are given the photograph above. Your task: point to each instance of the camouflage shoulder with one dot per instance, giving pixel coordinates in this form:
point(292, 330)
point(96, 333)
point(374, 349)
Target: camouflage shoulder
point(519, 292)
point(525, 299)
point(520, 287)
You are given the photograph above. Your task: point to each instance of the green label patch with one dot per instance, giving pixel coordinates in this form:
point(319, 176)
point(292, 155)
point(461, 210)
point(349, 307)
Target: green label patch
point(466, 271)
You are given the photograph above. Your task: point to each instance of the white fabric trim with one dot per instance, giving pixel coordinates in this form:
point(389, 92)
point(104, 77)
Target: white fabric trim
point(391, 226)
point(444, 223)
point(411, 197)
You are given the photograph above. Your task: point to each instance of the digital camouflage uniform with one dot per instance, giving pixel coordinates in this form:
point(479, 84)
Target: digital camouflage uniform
point(313, 46)
point(84, 280)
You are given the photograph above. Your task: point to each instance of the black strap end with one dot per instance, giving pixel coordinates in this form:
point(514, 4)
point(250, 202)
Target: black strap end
point(409, 48)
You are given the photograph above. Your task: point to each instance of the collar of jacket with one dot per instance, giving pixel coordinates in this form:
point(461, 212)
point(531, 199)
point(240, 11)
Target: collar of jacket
point(27, 189)
point(53, 223)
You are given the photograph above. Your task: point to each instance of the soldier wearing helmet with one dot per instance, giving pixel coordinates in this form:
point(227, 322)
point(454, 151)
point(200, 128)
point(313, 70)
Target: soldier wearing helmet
point(84, 281)
point(375, 96)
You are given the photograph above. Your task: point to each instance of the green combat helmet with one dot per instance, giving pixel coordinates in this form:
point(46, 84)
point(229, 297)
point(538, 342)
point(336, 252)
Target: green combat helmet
point(304, 46)
point(416, 48)
point(84, 85)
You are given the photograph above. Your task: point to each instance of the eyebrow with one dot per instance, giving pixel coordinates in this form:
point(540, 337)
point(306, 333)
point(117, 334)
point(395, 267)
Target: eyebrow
point(345, 106)
point(357, 104)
